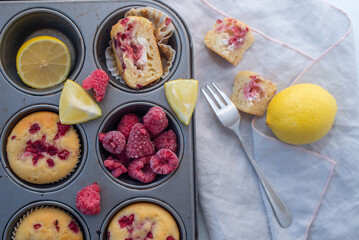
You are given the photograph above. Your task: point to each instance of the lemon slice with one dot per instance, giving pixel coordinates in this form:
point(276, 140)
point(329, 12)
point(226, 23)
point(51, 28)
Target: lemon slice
point(43, 62)
point(76, 105)
point(182, 96)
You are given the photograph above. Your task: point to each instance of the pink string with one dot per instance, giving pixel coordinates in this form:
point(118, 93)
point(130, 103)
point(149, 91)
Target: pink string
point(315, 60)
point(261, 33)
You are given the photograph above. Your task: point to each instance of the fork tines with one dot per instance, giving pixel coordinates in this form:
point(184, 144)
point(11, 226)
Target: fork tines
point(220, 97)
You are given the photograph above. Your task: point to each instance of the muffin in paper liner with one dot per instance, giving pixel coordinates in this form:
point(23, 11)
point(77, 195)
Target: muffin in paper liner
point(163, 30)
point(22, 177)
point(73, 219)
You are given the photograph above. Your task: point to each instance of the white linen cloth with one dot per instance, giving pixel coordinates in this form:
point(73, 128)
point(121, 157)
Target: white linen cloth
point(319, 181)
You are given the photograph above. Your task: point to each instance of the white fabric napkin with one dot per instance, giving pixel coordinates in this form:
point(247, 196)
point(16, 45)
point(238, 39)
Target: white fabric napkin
point(294, 41)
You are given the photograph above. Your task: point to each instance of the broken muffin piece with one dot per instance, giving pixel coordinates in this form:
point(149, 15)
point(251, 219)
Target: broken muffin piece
point(136, 51)
point(252, 92)
point(229, 38)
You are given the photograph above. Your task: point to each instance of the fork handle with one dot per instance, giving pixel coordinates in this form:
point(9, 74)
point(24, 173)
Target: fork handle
point(280, 210)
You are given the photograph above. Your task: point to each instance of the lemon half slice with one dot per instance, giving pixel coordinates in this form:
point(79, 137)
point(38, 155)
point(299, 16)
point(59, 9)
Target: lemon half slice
point(43, 62)
point(76, 105)
point(182, 96)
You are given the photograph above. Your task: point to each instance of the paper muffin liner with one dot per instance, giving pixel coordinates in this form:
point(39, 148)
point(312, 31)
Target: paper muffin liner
point(163, 30)
point(13, 234)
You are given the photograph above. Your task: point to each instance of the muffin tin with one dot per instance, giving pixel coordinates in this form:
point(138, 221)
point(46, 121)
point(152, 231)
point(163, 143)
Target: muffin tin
point(84, 27)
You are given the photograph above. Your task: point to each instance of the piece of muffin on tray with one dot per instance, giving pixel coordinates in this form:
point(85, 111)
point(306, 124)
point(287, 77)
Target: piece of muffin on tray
point(252, 92)
point(136, 51)
point(229, 38)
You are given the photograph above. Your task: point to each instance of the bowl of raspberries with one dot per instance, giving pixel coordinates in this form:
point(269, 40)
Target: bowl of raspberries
point(140, 145)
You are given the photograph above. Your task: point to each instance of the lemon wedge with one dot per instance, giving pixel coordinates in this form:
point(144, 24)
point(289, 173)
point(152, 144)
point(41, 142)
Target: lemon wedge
point(43, 62)
point(76, 105)
point(182, 96)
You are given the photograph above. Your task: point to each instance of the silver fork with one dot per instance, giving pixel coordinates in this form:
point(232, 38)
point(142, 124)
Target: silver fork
point(229, 116)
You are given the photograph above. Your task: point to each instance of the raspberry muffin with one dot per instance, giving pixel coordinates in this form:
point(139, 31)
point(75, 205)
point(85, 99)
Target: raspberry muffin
point(41, 150)
point(143, 221)
point(252, 92)
point(136, 51)
point(229, 38)
point(48, 223)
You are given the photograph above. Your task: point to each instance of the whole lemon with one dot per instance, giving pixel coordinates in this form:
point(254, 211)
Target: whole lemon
point(301, 114)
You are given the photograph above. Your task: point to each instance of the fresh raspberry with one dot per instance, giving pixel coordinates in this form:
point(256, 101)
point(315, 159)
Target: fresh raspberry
point(164, 161)
point(88, 200)
point(98, 80)
point(126, 124)
point(114, 142)
point(155, 120)
point(122, 157)
point(167, 140)
point(140, 170)
point(116, 167)
point(139, 143)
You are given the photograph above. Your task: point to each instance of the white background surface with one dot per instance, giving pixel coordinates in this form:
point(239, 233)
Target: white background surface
point(351, 7)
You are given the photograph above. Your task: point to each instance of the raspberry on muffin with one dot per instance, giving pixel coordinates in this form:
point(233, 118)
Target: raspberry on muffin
point(41, 150)
point(48, 223)
point(252, 93)
point(136, 51)
point(229, 38)
point(143, 221)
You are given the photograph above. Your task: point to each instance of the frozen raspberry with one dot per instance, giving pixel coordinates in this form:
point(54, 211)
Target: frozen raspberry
point(164, 161)
point(140, 170)
point(88, 200)
point(139, 143)
point(126, 124)
point(167, 140)
point(116, 167)
point(122, 157)
point(155, 120)
point(114, 142)
point(98, 80)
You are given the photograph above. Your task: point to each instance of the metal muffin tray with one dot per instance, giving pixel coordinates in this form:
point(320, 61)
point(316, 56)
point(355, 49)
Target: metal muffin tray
point(84, 26)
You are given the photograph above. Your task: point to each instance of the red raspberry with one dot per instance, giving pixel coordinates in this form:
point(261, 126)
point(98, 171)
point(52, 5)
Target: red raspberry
point(164, 161)
point(140, 170)
point(167, 140)
point(122, 157)
point(126, 124)
point(98, 80)
point(116, 167)
point(139, 143)
point(155, 120)
point(88, 200)
point(114, 142)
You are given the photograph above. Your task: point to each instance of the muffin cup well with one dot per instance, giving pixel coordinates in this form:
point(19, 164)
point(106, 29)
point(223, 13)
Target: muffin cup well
point(116, 209)
point(22, 213)
point(102, 42)
point(39, 22)
point(110, 124)
point(50, 186)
